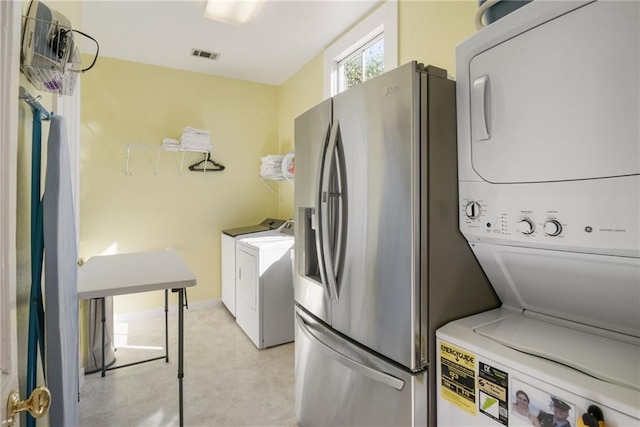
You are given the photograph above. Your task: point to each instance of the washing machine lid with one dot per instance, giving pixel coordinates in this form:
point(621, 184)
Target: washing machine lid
point(610, 357)
point(269, 242)
point(601, 291)
point(269, 224)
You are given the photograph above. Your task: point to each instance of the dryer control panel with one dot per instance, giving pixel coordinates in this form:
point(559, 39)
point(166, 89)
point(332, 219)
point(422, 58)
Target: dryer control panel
point(593, 216)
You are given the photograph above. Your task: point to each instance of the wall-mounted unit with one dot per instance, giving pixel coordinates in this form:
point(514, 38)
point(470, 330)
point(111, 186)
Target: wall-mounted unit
point(50, 58)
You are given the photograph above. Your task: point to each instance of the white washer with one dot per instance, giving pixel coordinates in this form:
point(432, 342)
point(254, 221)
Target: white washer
point(228, 240)
point(264, 289)
point(549, 192)
point(486, 360)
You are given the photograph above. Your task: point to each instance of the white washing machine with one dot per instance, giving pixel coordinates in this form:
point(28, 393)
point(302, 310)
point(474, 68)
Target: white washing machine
point(549, 191)
point(507, 367)
point(264, 288)
point(228, 240)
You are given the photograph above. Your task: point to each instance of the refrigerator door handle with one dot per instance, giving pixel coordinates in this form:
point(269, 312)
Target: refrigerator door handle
point(324, 203)
point(340, 198)
point(375, 375)
point(318, 214)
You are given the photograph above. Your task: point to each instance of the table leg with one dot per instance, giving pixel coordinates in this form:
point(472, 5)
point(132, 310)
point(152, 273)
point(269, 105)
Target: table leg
point(166, 325)
point(181, 349)
point(104, 332)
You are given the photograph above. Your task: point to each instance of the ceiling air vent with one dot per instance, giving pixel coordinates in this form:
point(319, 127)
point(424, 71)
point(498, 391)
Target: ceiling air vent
point(205, 54)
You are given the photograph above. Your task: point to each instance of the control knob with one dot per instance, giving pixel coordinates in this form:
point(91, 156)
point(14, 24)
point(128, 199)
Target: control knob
point(473, 210)
point(552, 227)
point(525, 226)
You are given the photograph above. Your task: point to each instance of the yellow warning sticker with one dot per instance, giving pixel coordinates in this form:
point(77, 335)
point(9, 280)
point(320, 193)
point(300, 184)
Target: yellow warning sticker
point(458, 377)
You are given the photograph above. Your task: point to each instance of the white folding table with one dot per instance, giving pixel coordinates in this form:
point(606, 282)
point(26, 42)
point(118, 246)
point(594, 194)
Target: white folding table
point(110, 275)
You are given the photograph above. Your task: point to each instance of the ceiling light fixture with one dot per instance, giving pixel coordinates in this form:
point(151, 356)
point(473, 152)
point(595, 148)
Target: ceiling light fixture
point(235, 12)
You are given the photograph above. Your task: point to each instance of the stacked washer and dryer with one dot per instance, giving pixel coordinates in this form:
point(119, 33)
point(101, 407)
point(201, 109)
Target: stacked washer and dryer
point(549, 197)
point(257, 280)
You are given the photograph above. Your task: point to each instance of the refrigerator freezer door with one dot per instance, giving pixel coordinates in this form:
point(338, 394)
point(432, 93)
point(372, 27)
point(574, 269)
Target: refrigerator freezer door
point(312, 131)
point(347, 386)
point(378, 283)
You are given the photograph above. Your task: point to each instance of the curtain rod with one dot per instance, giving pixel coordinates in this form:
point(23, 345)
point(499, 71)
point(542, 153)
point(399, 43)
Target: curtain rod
point(35, 105)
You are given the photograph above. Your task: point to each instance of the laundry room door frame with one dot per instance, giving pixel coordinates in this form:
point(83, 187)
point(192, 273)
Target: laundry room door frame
point(9, 78)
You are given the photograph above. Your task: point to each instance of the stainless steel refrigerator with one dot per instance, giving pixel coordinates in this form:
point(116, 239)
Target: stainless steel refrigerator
point(379, 262)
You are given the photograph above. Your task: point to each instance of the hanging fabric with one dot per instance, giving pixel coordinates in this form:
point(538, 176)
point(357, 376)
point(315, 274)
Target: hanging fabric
point(94, 357)
point(60, 280)
point(36, 311)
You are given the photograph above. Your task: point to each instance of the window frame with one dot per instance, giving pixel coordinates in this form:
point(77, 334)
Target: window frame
point(340, 79)
point(383, 20)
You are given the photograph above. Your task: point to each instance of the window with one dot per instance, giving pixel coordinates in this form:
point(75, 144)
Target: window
point(363, 64)
point(367, 50)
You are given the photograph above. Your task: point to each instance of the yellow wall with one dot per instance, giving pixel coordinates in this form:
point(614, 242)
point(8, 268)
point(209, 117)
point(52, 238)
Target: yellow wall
point(125, 102)
point(296, 96)
point(131, 103)
point(428, 31)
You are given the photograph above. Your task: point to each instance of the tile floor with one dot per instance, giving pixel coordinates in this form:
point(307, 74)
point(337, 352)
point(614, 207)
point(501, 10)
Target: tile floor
point(227, 381)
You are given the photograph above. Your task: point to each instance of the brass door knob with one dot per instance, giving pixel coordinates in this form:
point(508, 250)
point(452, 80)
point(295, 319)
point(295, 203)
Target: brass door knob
point(37, 404)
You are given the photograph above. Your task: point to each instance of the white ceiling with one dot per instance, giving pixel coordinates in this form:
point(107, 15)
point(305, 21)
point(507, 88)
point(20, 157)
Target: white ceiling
point(285, 35)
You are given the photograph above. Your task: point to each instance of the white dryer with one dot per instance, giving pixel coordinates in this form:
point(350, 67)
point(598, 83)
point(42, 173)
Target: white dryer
point(228, 240)
point(264, 288)
point(548, 102)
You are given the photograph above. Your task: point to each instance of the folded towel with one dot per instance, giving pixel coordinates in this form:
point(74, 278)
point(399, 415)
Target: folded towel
point(195, 144)
point(169, 141)
point(195, 139)
point(197, 147)
point(193, 131)
point(272, 159)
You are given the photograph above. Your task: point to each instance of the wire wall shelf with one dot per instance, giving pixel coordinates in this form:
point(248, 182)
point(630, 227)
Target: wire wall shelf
point(160, 149)
point(62, 82)
point(49, 57)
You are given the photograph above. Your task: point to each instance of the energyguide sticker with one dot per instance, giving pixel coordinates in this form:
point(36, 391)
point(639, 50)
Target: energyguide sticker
point(458, 377)
point(493, 392)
